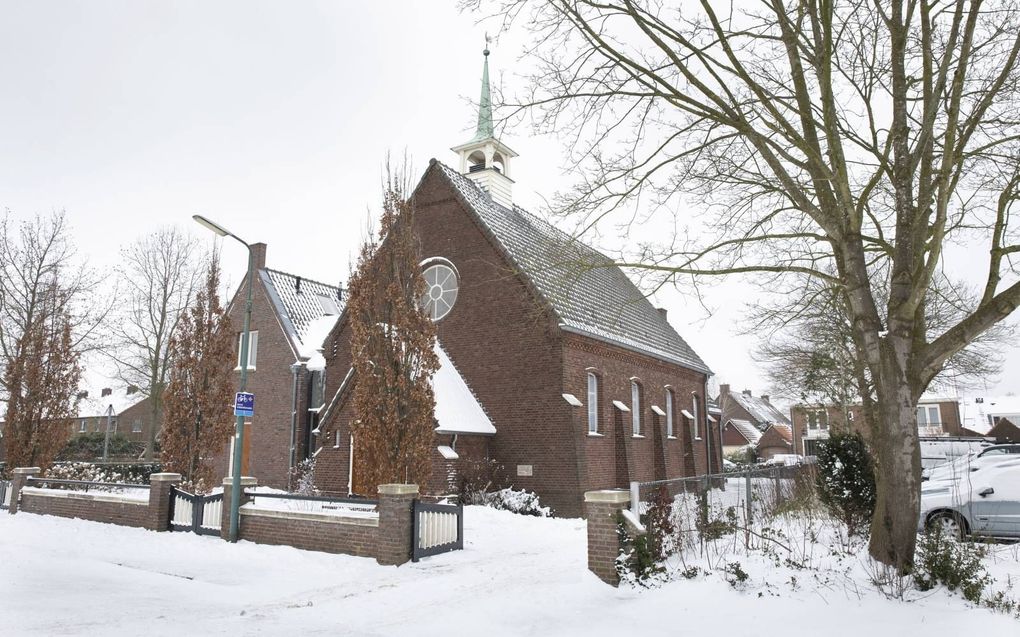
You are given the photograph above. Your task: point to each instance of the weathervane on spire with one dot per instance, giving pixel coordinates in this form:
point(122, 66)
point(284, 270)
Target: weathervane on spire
point(488, 40)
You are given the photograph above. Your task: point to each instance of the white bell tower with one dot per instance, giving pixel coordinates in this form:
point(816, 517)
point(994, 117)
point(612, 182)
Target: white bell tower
point(486, 160)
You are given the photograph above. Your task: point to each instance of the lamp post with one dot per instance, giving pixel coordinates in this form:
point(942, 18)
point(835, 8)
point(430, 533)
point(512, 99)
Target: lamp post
point(235, 490)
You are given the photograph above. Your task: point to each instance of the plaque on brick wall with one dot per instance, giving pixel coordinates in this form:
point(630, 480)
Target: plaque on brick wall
point(525, 470)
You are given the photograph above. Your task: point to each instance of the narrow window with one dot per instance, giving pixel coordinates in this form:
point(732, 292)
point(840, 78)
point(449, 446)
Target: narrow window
point(635, 407)
point(669, 413)
point(83, 427)
point(922, 417)
point(933, 417)
point(694, 412)
point(136, 427)
point(593, 403)
point(253, 348)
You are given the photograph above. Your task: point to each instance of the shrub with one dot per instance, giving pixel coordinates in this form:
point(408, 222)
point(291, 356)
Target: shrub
point(478, 478)
point(302, 477)
point(956, 565)
point(520, 502)
point(846, 481)
point(637, 562)
point(89, 472)
point(89, 446)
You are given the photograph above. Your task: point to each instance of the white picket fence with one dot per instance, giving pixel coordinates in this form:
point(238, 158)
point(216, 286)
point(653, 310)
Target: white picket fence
point(207, 520)
point(437, 528)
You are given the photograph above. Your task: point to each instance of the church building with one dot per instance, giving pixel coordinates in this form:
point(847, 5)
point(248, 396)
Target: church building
point(554, 365)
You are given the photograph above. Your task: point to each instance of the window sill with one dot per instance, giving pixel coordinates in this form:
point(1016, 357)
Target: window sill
point(639, 436)
point(238, 368)
point(697, 437)
point(595, 434)
point(670, 437)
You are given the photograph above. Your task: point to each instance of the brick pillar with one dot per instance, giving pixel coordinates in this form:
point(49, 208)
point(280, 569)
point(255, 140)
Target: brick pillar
point(246, 483)
point(603, 508)
point(158, 516)
point(19, 477)
point(395, 501)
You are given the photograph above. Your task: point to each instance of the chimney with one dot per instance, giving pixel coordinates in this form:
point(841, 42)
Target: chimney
point(258, 255)
point(724, 389)
point(765, 397)
point(297, 284)
point(662, 312)
point(132, 389)
point(747, 392)
point(106, 392)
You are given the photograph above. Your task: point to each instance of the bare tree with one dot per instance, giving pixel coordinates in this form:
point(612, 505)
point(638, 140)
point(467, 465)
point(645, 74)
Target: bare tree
point(47, 321)
point(159, 274)
point(807, 346)
point(846, 141)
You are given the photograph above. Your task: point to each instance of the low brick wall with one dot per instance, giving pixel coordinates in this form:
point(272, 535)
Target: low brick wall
point(328, 533)
point(98, 507)
point(148, 509)
point(386, 535)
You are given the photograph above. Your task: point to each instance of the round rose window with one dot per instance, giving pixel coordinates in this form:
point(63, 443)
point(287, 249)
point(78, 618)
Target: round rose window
point(440, 290)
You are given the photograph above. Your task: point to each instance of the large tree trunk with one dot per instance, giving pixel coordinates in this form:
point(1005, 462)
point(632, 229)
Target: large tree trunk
point(897, 466)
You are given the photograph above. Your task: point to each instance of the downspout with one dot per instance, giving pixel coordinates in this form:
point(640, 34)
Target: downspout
point(295, 369)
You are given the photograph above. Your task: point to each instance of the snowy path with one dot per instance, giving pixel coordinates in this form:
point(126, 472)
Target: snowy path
point(517, 576)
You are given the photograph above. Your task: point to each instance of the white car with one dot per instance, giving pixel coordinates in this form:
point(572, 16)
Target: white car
point(982, 502)
point(967, 464)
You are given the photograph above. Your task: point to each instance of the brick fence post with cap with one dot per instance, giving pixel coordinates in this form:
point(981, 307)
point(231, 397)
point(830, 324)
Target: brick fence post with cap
point(19, 477)
point(603, 509)
point(395, 523)
point(247, 482)
point(160, 484)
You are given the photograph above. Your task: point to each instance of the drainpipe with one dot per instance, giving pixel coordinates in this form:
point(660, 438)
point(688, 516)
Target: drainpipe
point(295, 370)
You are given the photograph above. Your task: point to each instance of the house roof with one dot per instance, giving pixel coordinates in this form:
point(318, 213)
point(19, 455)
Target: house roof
point(776, 434)
point(586, 291)
point(750, 433)
point(457, 407)
point(95, 404)
point(307, 309)
point(763, 412)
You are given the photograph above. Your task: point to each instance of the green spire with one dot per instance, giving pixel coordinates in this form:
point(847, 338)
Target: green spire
point(484, 130)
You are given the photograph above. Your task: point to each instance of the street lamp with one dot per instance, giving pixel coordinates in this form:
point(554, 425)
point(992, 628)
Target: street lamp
point(235, 490)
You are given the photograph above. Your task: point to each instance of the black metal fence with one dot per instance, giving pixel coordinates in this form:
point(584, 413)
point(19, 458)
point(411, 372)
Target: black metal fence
point(436, 528)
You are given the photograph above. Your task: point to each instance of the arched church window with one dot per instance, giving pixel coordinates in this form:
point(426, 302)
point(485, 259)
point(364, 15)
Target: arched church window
point(440, 290)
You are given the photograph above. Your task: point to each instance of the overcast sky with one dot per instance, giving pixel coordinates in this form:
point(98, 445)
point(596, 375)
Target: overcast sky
point(274, 119)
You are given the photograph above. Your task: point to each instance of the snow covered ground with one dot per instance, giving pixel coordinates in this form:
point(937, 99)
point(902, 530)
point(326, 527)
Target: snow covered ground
point(517, 576)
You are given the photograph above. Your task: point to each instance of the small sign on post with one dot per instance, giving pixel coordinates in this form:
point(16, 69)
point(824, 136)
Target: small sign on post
point(244, 404)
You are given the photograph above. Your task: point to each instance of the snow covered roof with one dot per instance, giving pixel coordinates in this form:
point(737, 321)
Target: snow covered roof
point(308, 309)
point(95, 404)
point(978, 413)
point(457, 408)
point(588, 294)
point(750, 433)
point(763, 412)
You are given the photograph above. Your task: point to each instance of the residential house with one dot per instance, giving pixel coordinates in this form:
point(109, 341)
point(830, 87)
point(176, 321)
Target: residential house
point(746, 418)
point(979, 414)
point(812, 424)
point(562, 371)
point(290, 318)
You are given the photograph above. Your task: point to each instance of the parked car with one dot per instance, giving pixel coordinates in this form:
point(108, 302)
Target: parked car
point(967, 464)
point(985, 502)
point(1012, 448)
point(784, 460)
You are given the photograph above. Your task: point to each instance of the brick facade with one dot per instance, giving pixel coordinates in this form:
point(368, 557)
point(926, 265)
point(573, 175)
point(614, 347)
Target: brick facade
point(507, 345)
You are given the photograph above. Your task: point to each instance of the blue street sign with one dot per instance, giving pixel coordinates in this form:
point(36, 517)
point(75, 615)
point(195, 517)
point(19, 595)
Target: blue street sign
point(244, 404)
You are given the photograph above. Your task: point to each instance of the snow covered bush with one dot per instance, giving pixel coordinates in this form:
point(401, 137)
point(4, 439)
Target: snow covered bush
point(956, 565)
point(846, 481)
point(89, 472)
point(521, 502)
point(302, 477)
